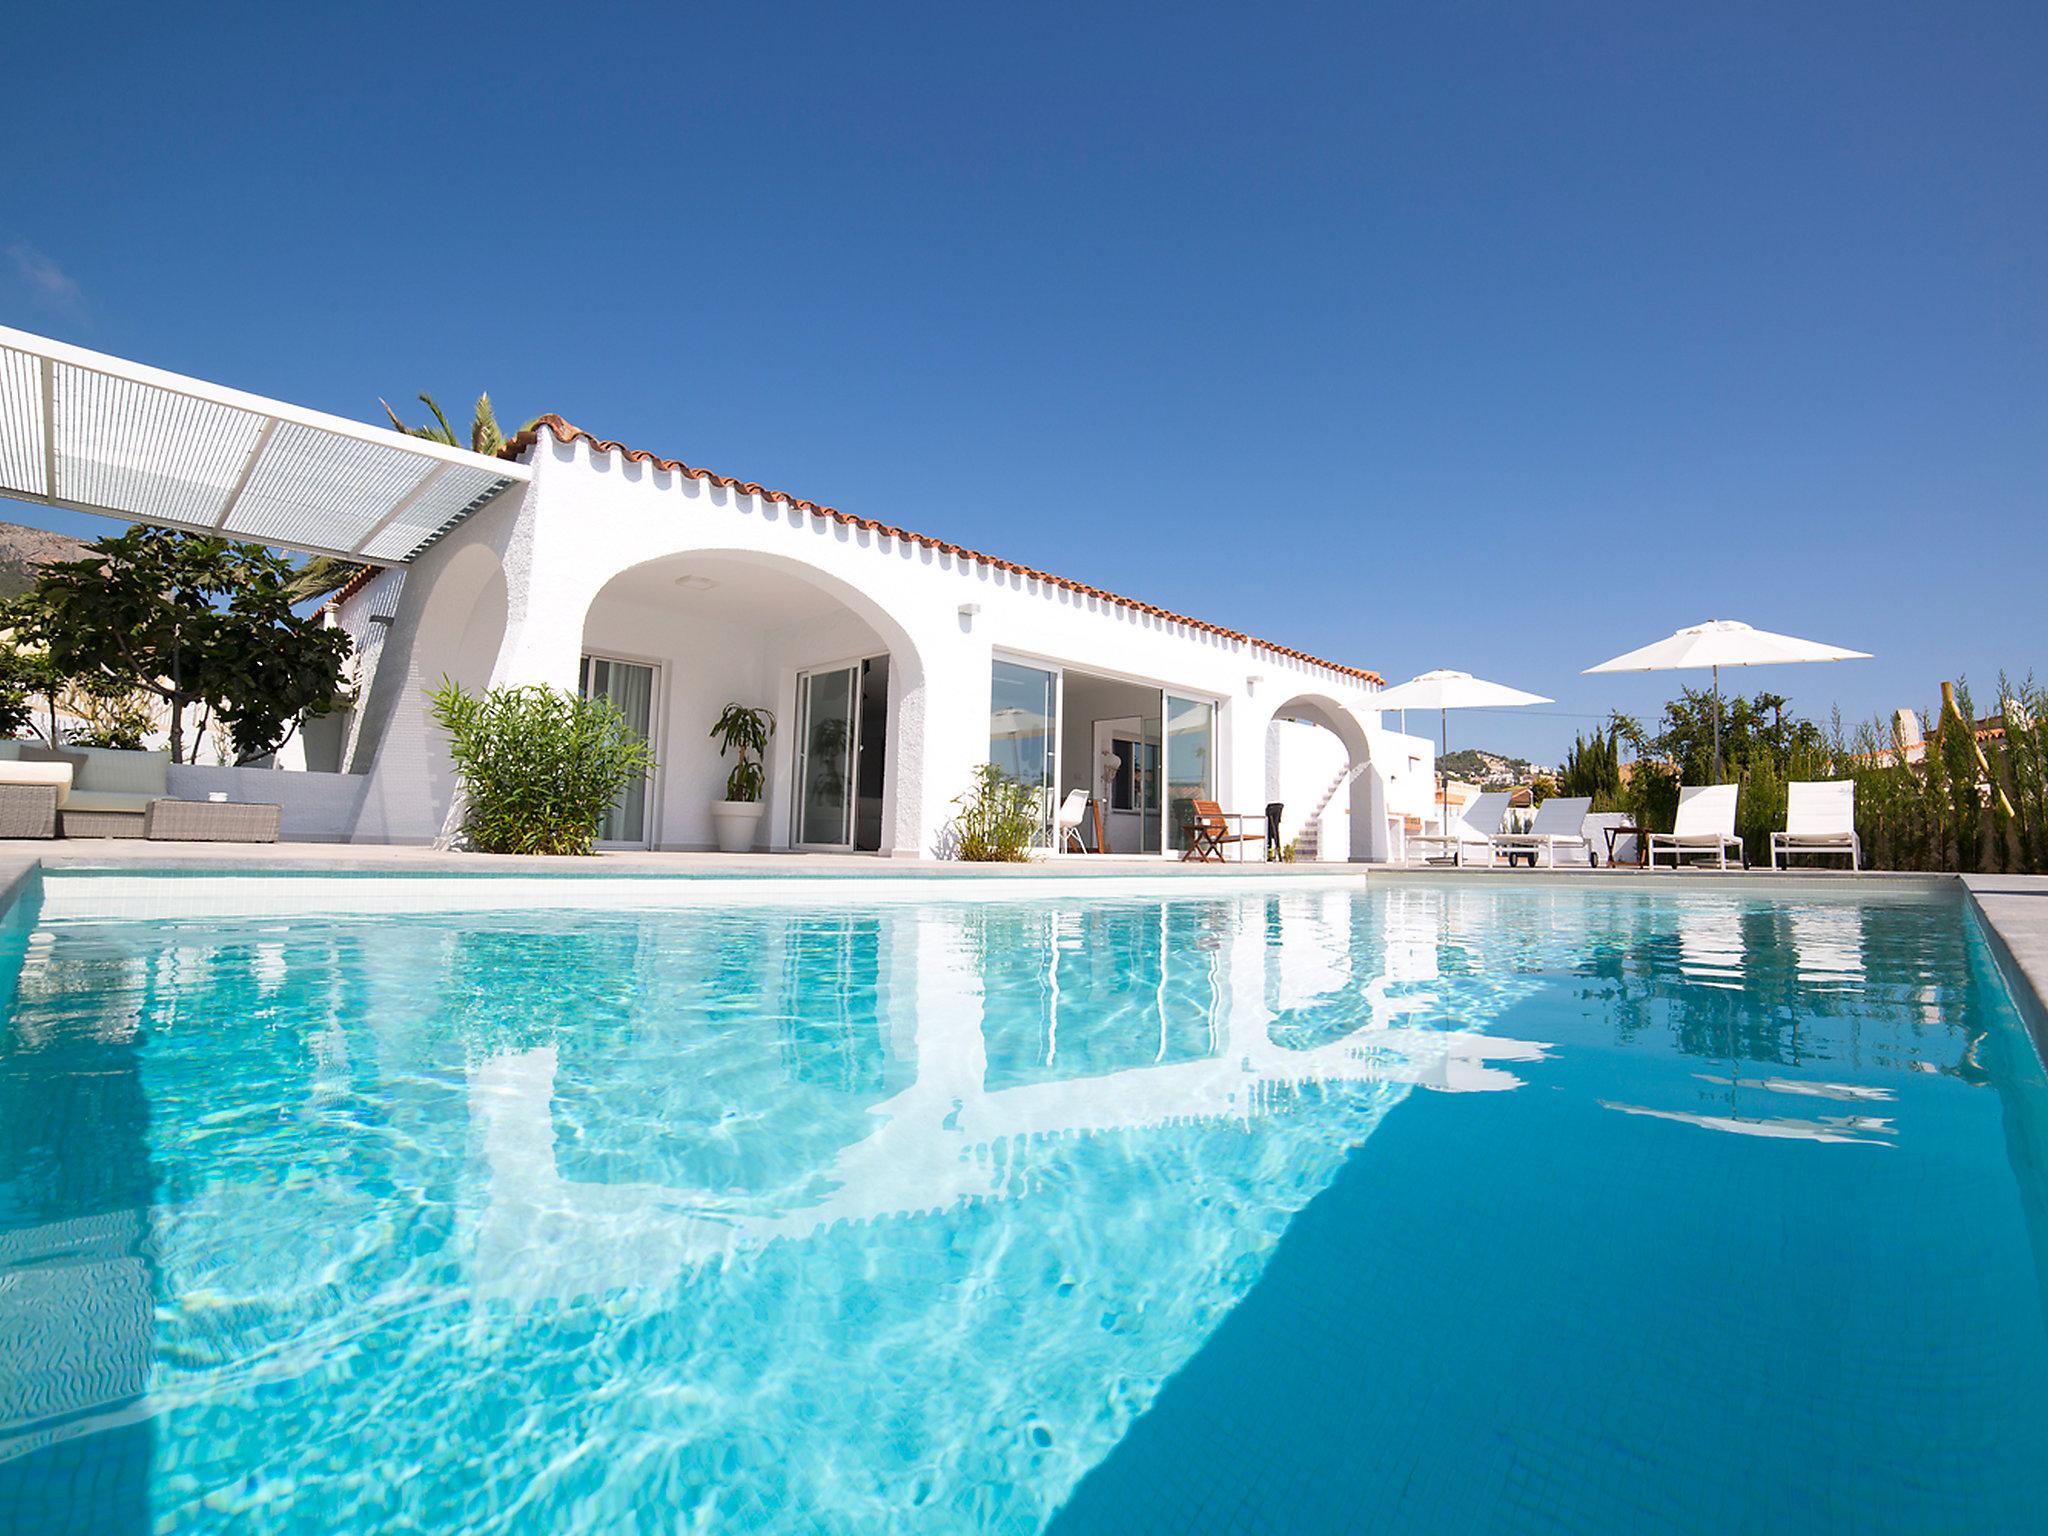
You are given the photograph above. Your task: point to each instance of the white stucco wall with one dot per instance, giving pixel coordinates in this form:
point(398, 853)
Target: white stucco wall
point(506, 596)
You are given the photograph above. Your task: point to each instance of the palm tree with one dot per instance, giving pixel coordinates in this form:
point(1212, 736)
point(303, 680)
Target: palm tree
point(484, 436)
point(320, 575)
point(325, 573)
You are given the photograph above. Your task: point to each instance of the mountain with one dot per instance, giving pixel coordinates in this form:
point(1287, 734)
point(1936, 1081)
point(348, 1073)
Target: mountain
point(1487, 769)
point(25, 550)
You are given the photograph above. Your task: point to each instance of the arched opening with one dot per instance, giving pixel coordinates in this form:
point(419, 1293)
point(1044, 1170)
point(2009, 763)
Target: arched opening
point(450, 622)
point(1316, 756)
point(674, 640)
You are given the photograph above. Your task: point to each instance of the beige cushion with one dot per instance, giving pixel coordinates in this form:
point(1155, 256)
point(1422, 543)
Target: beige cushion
point(58, 774)
point(126, 773)
point(107, 800)
point(36, 752)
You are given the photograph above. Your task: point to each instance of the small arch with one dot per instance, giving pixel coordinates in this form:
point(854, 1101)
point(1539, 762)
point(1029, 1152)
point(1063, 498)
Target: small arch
point(1338, 780)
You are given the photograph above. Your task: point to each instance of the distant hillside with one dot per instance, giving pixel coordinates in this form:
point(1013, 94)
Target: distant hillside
point(25, 550)
point(1479, 767)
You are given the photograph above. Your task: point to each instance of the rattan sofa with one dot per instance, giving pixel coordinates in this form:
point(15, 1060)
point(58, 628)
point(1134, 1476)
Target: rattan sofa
point(110, 790)
point(28, 804)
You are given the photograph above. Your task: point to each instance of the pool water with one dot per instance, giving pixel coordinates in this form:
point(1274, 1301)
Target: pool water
point(1389, 1206)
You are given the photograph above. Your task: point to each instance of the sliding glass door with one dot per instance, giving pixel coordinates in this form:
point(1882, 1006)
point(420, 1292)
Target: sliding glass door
point(1190, 763)
point(826, 704)
point(842, 716)
point(630, 687)
point(1023, 731)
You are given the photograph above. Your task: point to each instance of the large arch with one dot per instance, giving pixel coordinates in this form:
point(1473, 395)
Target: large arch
point(1355, 783)
point(450, 623)
point(725, 624)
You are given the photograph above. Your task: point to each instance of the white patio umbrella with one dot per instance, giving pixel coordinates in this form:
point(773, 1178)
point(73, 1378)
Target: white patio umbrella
point(1444, 691)
point(1722, 643)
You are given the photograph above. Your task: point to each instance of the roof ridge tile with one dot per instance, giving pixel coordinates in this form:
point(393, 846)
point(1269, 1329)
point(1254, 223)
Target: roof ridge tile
point(563, 432)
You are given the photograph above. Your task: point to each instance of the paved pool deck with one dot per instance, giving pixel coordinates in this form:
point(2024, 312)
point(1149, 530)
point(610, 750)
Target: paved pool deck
point(2013, 908)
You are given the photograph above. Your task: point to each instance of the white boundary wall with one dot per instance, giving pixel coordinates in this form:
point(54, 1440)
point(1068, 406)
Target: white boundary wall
point(315, 807)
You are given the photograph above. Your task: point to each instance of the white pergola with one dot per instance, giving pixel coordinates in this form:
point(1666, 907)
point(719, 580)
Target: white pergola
point(94, 433)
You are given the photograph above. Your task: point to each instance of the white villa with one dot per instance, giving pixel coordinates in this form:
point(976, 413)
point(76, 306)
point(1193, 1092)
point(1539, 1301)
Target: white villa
point(894, 663)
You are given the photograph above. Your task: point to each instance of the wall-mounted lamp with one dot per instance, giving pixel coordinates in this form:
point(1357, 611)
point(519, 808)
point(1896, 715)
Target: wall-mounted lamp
point(1251, 684)
point(967, 613)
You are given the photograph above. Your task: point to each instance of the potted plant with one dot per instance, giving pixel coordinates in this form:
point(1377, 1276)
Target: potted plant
point(737, 818)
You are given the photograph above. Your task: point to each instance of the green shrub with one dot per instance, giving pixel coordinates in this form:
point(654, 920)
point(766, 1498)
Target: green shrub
point(539, 767)
point(999, 819)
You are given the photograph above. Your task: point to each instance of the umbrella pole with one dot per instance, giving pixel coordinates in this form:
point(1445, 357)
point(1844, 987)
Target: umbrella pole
point(1717, 725)
point(1443, 774)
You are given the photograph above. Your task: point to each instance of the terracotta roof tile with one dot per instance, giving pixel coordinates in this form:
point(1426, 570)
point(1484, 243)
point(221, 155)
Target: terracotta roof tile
point(565, 433)
point(365, 574)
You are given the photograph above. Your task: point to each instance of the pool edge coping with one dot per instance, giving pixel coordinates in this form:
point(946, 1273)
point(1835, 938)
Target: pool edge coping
point(2012, 910)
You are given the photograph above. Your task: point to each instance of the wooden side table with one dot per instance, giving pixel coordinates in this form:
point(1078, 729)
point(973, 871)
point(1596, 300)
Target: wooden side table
point(1616, 834)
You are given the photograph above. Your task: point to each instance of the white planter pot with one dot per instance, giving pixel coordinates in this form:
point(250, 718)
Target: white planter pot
point(738, 823)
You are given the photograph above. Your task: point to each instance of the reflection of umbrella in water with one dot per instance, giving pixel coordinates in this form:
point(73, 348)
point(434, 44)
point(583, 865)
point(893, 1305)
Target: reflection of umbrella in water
point(1722, 643)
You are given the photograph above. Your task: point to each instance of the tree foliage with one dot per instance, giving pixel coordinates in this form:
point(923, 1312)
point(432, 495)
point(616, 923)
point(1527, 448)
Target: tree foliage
point(484, 434)
point(1941, 808)
point(1592, 768)
point(539, 766)
point(192, 621)
point(321, 575)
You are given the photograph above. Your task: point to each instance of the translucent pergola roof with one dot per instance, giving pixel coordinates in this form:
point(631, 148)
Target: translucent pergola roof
point(97, 434)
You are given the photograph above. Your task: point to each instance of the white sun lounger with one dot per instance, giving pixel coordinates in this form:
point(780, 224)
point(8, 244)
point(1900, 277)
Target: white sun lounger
point(1819, 818)
point(1705, 824)
point(1560, 822)
point(1470, 834)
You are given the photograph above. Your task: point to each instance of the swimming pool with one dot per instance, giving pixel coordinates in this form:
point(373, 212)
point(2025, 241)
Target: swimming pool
point(1349, 1206)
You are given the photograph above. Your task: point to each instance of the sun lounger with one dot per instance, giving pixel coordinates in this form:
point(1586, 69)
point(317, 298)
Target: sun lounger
point(1705, 824)
point(1819, 818)
point(1560, 823)
point(1470, 834)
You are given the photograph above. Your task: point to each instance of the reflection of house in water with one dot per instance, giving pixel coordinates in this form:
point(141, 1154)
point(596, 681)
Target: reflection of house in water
point(611, 1165)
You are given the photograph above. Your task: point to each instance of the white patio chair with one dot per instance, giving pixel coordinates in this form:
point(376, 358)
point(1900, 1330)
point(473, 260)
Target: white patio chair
point(1819, 818)
point(1067, 833)
point(1470, 832)
point(1705, 824)
point(1560, 822)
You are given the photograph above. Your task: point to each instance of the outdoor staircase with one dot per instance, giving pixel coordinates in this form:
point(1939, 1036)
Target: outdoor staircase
point(1308, 842)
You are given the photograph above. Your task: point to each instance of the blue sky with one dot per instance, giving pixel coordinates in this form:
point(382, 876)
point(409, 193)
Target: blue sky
point(1502, 337)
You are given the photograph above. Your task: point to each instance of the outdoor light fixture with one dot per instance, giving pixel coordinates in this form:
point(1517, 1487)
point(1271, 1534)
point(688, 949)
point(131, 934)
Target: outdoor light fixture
point(969, 610)
point(695, 583)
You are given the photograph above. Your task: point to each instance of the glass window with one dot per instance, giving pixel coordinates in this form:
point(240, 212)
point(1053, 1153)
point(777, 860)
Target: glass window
point(1190, 765)
point(630, 687)
point(1022, 717)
